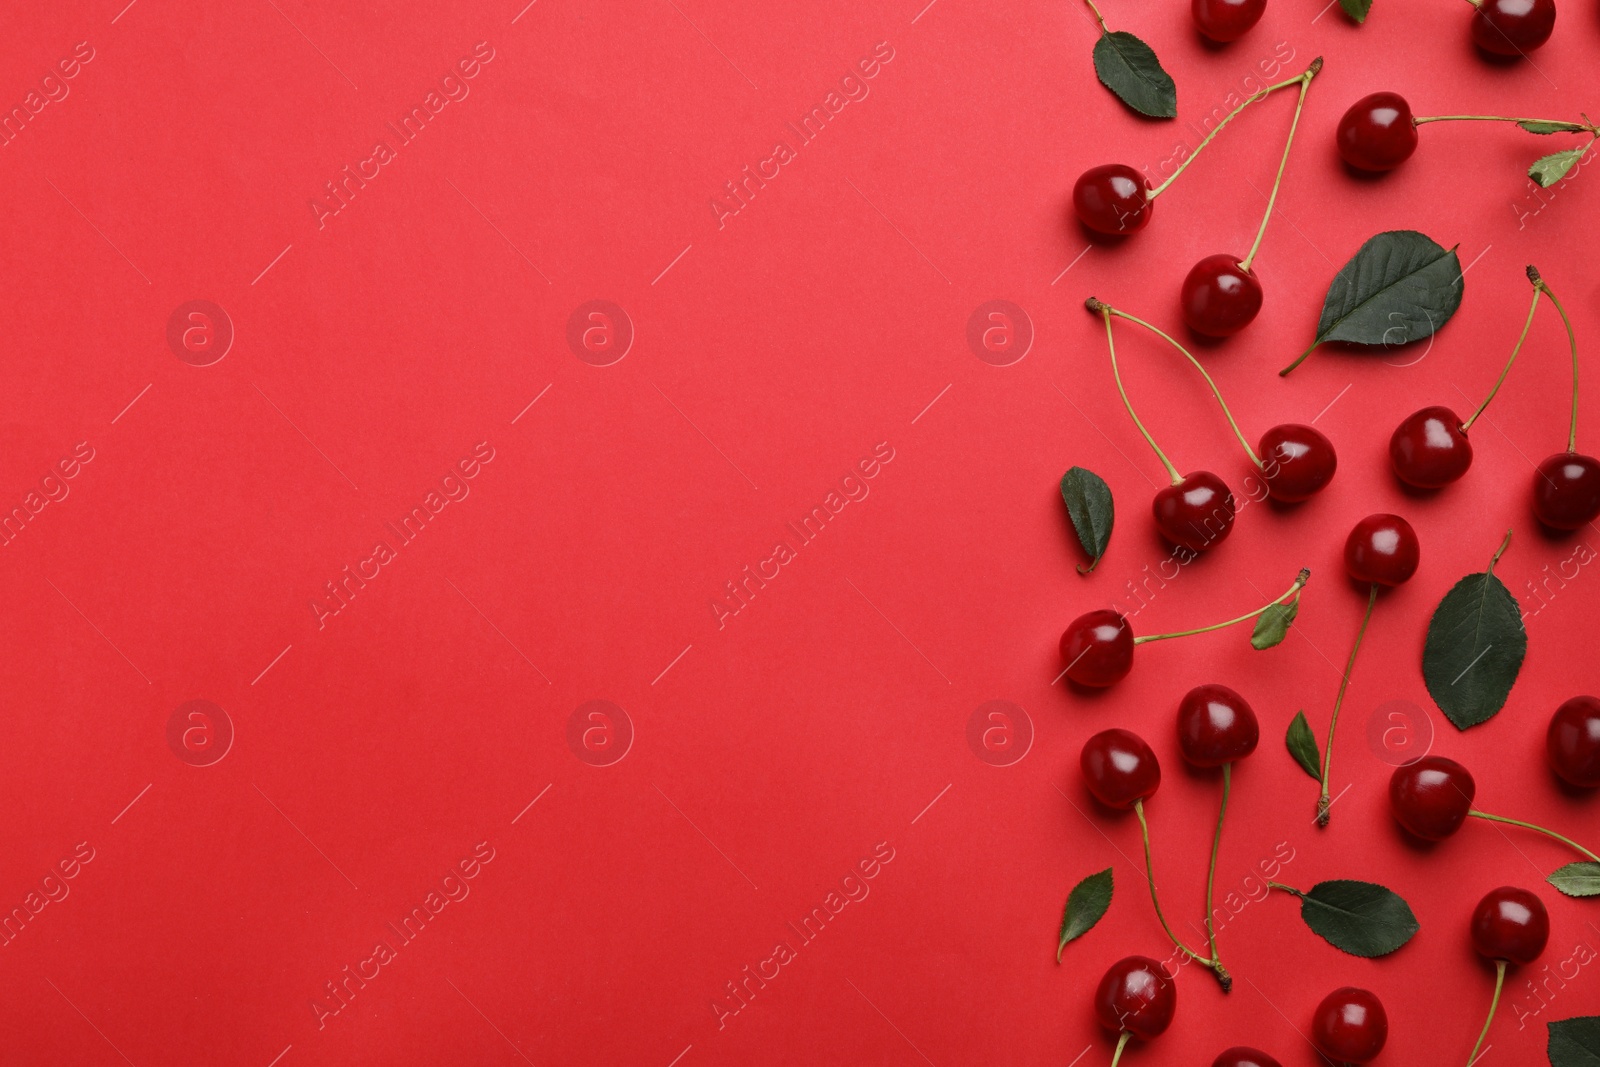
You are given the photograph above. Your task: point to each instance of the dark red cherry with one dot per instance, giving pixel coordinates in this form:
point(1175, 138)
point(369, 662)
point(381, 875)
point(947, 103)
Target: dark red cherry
point(1573, 742)
point(1381, 549)
point(1197, 513)
point(1296, 462)
point(1350, 1026)
point(1429, 449)
point(1219, 296)
point(1432, 796)
point(1226, 20)
point(1098, 648)
point(1119, 768)
point(1512, 27)
point(1137, 995)
point(1510, 924)
point(1240, 1056)
point(1377, 133)
point(1566, 490)
point(1215, 726)
point(1112, 198)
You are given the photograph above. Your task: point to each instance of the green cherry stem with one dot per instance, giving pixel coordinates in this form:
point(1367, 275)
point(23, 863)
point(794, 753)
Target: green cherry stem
point(1572, 339)
point(1097, 16)
point(1104, 311)
point(1150, 876)
point(1538, 291)
point(1305, 84)
point(1499, 983)
point(1569, 842)
point(1566, 127)
point(1293, 591)
point(1211, 881)
point(1122, 1043)
point(1323, 803)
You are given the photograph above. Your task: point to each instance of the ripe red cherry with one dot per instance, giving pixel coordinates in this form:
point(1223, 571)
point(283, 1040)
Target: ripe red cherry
point(1112, 198)
point(1098, 648)
point(1350, 1026)
point(1512, 27)
point(1220, 297)
point(1429, 449)
point(1566, 490)
point(1432, 796)
point(1215, 726)
point(1240, 1056)
point(1510, 924)
point(1381, 549)
point(1197, 513)
point(1377, 133)
point(1137, 995)
point(1226, 20)
point(1573, 742)
point(1296, 462)
point(1119, 768)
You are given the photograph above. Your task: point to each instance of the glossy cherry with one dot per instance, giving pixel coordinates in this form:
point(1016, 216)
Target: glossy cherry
point(1112, 198)
point(1573, 742)
point(1241, 1056)
point(1512, 27)
point(1220, 297)
point(1226, 20)
point(1431, 797)
point(1215, 726)
point(1510, 924)
point(1098, 648)
point(1297, 461)
point(1138, 996)
point(1566, 490)
point(1119, 768)
point(1350, 1026)
point(1377, 133)
point(1382, 550)
point(1197, 513)
point(1430, 449)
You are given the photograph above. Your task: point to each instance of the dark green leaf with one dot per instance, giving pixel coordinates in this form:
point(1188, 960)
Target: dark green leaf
point(1089, 504)
point(1128, 67)
point(1577, 879)
point(1086, 903)
point(1547, 126)
point(1575, 1042)
point(1272, 625)
point(1474, 649)
point(1400, 287)
point(1358, 917)
point(1356, 9)
point(1303, 746)
point(1552, 168)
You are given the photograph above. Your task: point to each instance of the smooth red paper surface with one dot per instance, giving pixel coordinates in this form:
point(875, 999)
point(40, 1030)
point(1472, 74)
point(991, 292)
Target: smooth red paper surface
point(586, 488)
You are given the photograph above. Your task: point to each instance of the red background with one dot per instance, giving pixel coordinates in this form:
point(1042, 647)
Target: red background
point(772, 354)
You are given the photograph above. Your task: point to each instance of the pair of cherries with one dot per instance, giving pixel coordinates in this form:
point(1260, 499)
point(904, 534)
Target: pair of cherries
point(1216, 726)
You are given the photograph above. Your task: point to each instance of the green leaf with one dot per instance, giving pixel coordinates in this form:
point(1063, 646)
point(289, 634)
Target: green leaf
point(1548, 126)
point(1272, 625)
point(1303, 746)
point(1128, 67)
point(1400, 287)
point(1575, 1042)
point(1577, 879)
point(1358, 917)
point(1089, 505)
point(1356, 9)
point(1474, 649)
point(1086, 903)
point(1550, 169)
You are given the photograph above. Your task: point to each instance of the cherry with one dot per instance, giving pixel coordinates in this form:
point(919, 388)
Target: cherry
point(1566, 490)
point(1098, 648)
point(1226, 20)
point(1220, 296)
point(1430, 449)
point(1120, 768)
point(1240, 1056)
point(1510, 924)
point(1112, 198)
point(1381, 549)
point(1215, 726)
point(1377, 133)
point(1137, 996)
point(1195, 513)
point(1573, 742)
point(1431, 797)
point(1350, 1026)
point(1296, 462)
point(1512, 27)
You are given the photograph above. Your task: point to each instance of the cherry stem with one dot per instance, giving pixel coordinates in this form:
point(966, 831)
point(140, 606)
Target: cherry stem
point(1105, 312)
point(1572, 339)
point(1203, 373)
point(1538, 291)
point(1504, 544)
point(1293, 591)
point(1323, 803)
point(1305, 85)
point(1476, 814)
point(1568, 127)
point(1122, 1043)
point(1499, 983)
point(1150, 876)
point(1298, 79)
point(1211, 879)
point(1097, 16)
